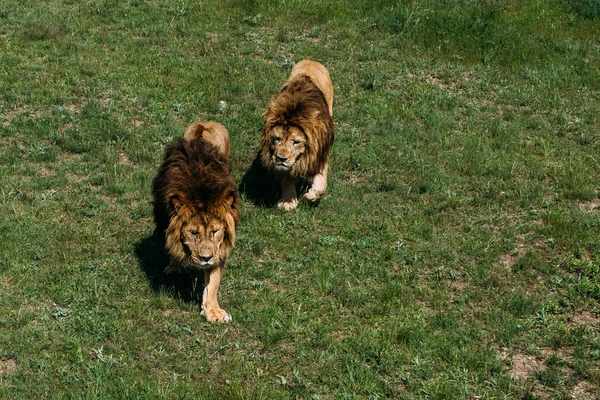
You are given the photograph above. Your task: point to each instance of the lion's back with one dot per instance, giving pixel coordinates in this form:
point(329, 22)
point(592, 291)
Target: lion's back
point(193, 170)
point(320, 77)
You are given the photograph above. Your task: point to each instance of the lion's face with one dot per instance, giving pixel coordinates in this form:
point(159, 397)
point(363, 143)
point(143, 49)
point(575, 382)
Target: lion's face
point(203, 241)
point(287, 145)
point(201, 238)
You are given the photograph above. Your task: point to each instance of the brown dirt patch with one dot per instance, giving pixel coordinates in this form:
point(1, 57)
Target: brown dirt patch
point(458, 284)
point(354, 179)
point(590, 206)
point(10, 115)
point(587, 318)
point(452, 85)
point(508, 260)
point(584, 390)
point(111, 201)
point(73, 108)
point(7, 367)
point(523, 246)
point(123, 158)
point(525, 366)
point(47, 172)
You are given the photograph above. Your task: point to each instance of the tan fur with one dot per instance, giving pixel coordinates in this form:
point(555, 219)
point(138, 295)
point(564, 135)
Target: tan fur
point(209, 131)
point(196, 206)
point(297, 135)
point(319, 75)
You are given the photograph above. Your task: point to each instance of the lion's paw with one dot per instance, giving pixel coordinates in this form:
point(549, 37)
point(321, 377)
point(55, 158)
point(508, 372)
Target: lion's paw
point(216, 314)
point(311, 197)
point(287, 205)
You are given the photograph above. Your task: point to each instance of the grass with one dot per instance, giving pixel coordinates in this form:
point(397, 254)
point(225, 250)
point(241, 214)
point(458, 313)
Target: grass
point(455, 254)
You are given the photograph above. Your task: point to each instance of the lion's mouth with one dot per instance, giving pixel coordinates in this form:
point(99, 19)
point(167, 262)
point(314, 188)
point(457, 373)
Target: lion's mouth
point(281, 166)
point(201, 263)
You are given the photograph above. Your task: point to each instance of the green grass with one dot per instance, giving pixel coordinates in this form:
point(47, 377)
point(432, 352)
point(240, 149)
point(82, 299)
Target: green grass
point(456, 253)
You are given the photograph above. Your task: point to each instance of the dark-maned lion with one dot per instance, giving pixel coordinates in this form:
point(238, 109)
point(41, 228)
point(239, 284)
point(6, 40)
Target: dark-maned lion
point(297, 135)
point(196, 207)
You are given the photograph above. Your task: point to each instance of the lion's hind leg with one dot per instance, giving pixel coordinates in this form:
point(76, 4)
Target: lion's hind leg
point(319, 184)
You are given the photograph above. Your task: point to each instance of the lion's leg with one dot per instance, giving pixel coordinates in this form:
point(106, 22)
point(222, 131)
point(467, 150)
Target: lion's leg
point(210, 305)
point(289, 199)
point(173, 266)
point(318, 186)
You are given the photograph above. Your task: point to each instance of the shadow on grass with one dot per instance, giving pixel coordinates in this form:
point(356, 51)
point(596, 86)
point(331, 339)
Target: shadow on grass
point(259, 186)
point(153, 258)
point(262, 189)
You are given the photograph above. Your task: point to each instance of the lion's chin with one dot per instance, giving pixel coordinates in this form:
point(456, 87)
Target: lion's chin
point(200, 264)
point(279, 167)
point(205, 264)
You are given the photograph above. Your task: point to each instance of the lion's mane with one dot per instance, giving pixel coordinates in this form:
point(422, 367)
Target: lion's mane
point(194, 180)
point(300, 103)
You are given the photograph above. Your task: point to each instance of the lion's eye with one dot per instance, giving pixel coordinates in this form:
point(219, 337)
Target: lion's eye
point(214, 233)
point(194, 232)
point(296, 142)
point(276, 140)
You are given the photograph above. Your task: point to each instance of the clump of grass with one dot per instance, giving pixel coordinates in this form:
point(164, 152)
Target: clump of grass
point(43, 31)
point(589, 9)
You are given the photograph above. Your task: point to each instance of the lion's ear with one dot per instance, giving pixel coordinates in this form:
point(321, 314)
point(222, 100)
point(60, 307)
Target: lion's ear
point(230, 222)
point(231, 215)
point(173, 236)
point(229, 200)
point(176, 203)
point(181, 206)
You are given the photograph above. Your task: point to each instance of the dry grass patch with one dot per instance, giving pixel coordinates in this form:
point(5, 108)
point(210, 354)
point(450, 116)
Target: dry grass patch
point(508, 260)
point(525, 366)
point(590, 206)
point(46, 172)
point(453, 86)
point(586, 318)
point(584, 391)
point(12, 114)
point(7, 367)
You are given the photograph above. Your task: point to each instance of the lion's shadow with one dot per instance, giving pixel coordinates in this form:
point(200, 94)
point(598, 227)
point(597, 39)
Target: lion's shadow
point(153, 258)
point(259, 186)
point(262, 189)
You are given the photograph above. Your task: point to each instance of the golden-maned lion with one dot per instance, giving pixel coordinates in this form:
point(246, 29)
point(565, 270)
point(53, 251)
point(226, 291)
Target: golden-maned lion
point(196, 207)
point(297, 135)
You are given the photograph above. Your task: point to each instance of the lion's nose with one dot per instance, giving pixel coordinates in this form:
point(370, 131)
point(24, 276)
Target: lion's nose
point(282, 159)
point(206, 258)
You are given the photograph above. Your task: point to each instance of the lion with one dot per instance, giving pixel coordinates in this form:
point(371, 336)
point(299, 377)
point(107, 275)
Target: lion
point(196, 207)
point(297, 134)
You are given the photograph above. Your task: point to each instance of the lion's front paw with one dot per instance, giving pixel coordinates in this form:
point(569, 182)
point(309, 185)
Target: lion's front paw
point(311, 197)
point(287, 205)
point(216, 314)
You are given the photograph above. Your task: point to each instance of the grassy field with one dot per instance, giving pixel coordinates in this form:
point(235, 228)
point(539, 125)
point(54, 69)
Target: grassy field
point(456, 254)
